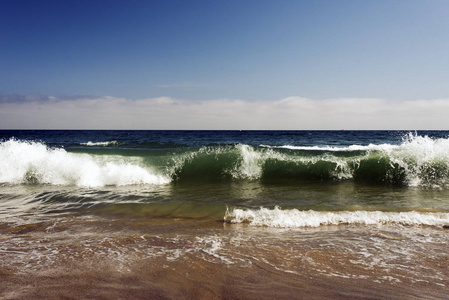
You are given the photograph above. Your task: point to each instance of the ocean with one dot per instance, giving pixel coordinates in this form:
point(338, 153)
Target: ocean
point(224, 214)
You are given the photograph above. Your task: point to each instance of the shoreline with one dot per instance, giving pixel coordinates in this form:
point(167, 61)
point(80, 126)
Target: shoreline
point(167, 259)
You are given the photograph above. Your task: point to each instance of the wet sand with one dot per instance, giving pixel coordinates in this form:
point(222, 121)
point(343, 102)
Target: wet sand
point(105, 258)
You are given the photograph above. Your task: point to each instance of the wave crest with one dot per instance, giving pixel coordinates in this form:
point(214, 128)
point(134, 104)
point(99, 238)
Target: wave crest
point(418, 162)
point(33, 162)
point(293, 218)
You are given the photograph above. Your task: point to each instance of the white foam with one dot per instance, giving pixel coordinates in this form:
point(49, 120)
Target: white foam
point(293, 218)
point(34, 162)
point(370, 147)
point(104, 144)
point(424, 160)
point(251, 164)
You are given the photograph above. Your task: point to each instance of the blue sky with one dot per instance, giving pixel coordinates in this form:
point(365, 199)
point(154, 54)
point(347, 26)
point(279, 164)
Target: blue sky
point(396, 50)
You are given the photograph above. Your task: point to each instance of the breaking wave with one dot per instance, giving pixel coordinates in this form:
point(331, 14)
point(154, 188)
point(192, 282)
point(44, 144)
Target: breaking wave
point(293, 218)
point(418, 161)
point(32, 162)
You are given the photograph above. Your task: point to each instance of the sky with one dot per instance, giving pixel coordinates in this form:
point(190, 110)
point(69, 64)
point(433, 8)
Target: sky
point(135, 64)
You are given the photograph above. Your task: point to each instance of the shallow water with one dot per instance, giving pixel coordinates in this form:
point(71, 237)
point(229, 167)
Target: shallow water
point(97, 256)
point(255, 215)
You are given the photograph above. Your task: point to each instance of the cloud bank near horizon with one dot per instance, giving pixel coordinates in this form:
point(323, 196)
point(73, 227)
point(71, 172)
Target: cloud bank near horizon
point(292, 113)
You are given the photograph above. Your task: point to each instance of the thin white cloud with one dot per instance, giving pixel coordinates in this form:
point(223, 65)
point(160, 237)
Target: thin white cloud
point(168, 113)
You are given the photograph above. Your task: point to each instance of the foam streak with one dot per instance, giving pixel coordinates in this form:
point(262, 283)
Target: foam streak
point(293, 218)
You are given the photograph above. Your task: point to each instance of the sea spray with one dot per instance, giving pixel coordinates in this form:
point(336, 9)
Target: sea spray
point(250, 165)
point(24, 162)
point(425, 160)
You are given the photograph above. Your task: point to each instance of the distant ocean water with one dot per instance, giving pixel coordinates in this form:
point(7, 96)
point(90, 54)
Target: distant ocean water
point(275, 212)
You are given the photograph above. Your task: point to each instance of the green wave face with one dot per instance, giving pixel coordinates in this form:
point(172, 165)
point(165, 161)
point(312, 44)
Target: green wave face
point(419, 161)
point(243, 162)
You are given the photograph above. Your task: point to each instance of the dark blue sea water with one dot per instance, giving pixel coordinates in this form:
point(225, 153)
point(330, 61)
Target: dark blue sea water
point(229, 201)
point(147, 138)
